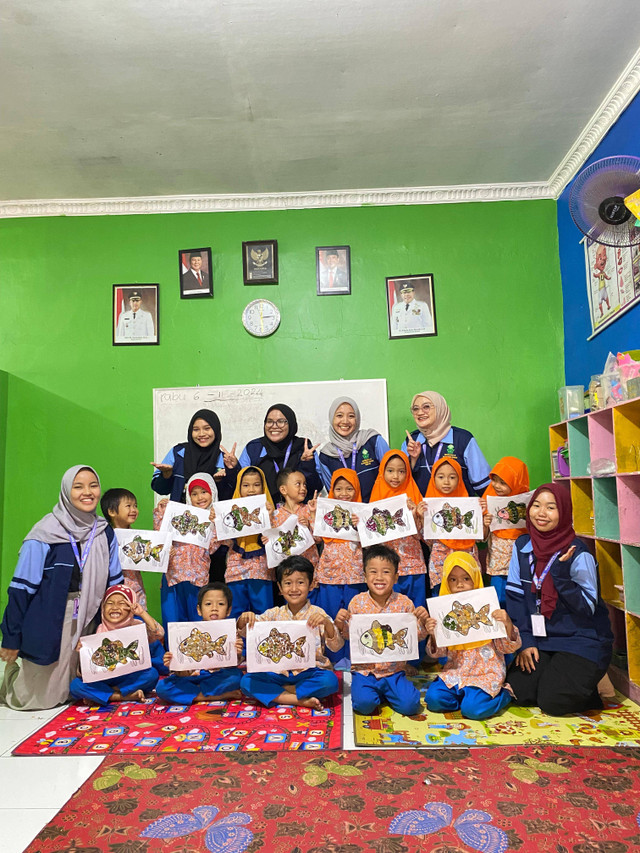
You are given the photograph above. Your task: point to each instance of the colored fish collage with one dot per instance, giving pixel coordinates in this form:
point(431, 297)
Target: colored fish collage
point(139, 549)
point(451, 517)
point(112, 652)
point(188, 523)
point(199, 644)
point(239, 517)
point(463, 617)
point(380, 637)
point(280, 645)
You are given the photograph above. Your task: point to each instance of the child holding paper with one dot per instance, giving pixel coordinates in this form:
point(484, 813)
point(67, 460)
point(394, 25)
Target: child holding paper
point(205, 685)
point(292, 486)
point(304, 687)
point(373, 683)
point(120, 509)
point(120, 609)
point(472, 680)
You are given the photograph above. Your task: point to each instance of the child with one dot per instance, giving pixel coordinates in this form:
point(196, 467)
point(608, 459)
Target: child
point(446, 482)
point(120, 508)
point(188, 564)
point(394, 478)
point(508, 477)
point(304, 687)
point(373, 683)
point(205, 685)
point(120, 610)
point(472, 680)
point(292, 487)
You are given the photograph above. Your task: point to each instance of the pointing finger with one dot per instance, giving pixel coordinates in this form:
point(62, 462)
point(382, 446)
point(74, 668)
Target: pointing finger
point(233, 450)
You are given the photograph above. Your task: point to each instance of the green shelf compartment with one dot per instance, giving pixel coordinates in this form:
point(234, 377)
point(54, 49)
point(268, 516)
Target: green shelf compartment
point(631, 578)
point(605, 508)
point(579, 450)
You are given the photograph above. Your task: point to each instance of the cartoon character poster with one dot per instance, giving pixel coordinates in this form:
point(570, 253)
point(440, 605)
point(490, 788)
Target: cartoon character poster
point(333, 519)
point(202, 645)
point(508, 513)
point(281, 646)
point(453, 518)
point(114, 653)
point(287, 539)
point(466, 617)
point(382, 637)
point(241, 517)
point(384, 521)
point(613, 281)
point(144, 550)
point(187, 524)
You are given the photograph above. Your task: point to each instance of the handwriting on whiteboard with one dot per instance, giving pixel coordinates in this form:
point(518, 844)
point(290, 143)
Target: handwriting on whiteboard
point(214, 395)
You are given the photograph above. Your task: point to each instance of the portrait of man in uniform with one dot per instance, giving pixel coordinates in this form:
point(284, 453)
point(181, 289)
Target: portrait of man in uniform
point(411, 307)
point(135, 314)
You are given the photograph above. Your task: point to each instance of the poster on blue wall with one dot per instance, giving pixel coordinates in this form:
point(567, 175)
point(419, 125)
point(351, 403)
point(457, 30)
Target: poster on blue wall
point(613, 282)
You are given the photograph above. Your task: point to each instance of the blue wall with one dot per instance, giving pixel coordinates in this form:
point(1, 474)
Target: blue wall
point(584, 358)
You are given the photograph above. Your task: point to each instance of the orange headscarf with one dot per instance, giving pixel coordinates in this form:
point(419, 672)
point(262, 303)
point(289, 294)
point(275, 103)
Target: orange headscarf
point(381, 489)
point(352, 478)
point(460, 491)
point(516, 475)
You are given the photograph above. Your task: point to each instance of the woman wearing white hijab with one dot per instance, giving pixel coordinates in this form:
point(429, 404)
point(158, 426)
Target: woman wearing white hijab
point(66, 562)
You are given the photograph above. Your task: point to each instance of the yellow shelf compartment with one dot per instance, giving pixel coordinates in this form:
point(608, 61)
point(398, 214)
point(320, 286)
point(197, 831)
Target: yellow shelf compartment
point(626, 429)
point(633, 647)
point(609, 559)
point(582, 499)
point(557, 437)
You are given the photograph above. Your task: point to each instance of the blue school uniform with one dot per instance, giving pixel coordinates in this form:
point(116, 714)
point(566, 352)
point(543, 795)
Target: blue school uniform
point(368, 692)
point(255, 451)
point(183, 689)
point(175, 484)
point(462, 446)
point(365, 464)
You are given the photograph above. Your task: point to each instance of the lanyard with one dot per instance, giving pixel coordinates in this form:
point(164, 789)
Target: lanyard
point(538, 581)
point(82, 560)
point(286, 459)
point(353, 457)
point(439, 452)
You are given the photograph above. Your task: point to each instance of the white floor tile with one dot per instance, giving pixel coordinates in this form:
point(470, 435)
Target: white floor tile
point(43, 783)
point(39, 717)
point(20, 827)
point(12, 732)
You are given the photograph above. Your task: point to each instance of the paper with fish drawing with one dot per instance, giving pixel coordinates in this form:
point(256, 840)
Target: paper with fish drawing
point(114, 653)
point(187, 524)
point(384, 521)
point(333, 519)
point(287, 539)
point(202, 645)
point(510, 512)
point(382, 637)
point(453, 518)
point(143, 550)
point(241, 517)
point(466, 617)
point(281, 646)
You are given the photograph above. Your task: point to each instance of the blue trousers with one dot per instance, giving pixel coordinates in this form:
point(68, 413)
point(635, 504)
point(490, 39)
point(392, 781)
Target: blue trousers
point(500, 584)
point(332, 597)
point(178, 603)
point(183, 689)
point(157, 651)
point(414, 587)
point(267, 686)
point(100, 691)
point(252, 594)
point(472, 702)
point(367, 692)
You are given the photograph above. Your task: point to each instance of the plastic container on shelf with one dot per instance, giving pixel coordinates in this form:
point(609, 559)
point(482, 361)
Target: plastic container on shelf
point(571, 401)
point(595, 393)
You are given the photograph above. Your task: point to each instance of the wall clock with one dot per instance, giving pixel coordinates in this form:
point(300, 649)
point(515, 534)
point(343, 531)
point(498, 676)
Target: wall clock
point(261, 318)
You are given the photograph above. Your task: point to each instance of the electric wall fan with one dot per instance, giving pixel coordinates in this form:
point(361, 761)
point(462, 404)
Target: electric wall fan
point(605, 201)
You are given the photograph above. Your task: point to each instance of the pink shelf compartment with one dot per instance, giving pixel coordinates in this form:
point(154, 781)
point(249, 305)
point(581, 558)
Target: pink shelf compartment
point(629, 508)
point(601, 439)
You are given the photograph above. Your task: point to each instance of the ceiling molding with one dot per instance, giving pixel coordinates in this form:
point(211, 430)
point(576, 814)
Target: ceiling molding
point(616, 101)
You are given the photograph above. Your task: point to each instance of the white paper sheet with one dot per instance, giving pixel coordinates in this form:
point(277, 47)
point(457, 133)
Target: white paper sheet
point(114, 653)
point(383, 637)
point(332, 519)
point(287, 539)
point(187, 524)
point(202, 645)
point(466, 617)
point(280, 646)
point(453, 518)
point(144, 550)
point(241, 517)
point(509, 513)
point(384, 521)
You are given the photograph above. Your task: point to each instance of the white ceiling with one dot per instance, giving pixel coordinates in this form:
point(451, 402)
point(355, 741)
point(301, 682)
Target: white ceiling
point(164, 97)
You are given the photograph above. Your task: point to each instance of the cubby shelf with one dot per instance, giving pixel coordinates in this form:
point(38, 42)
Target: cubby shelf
point(606, 514)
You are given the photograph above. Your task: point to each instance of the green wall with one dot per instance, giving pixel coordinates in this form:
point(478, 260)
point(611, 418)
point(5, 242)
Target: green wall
point(74, 398)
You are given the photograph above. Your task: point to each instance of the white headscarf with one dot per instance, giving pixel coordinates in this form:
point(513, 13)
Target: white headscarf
point(336, 442)
point(202, 475)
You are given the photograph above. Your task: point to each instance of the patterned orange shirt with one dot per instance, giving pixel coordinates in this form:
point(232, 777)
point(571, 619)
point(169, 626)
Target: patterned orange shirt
point(499, 553)
point(439, 553)
point(340, 562)
point(253, 568)
point(482, 667)
point(281, 514)
point(410, 552)
point(187, 562)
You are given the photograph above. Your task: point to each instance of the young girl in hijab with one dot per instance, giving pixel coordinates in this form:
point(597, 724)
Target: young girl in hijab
point(188, 564)
point(350, 447)
point(435, 437)
point(472, 680)
point(446, 482)
point(48, 612)
point(394, 479)
point(120, 609)
point(553, 599)
point(508, 477)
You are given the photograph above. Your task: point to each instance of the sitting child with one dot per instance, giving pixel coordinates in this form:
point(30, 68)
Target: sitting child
point(304, 687)
point(373, 683)
point(472, 680)
point(205, 685)
point(120, 509)
point(120, 610)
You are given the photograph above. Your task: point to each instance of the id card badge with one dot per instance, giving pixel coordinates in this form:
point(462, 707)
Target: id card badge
point(76, 607)
point(538, 628)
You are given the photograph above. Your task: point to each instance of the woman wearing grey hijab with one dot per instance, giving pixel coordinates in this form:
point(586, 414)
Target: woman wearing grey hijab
point(66, 562)
point(351, 447)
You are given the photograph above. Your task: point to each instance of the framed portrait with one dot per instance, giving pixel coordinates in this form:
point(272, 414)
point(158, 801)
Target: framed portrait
point(411, 307)
point(135, 314)
point(333, 270)
point(260, 262)
point(196, 273)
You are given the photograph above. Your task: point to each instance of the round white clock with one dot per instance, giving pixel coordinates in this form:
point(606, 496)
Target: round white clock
point(261, 318)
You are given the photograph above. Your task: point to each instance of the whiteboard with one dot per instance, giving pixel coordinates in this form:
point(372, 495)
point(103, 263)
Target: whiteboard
point(241, 409)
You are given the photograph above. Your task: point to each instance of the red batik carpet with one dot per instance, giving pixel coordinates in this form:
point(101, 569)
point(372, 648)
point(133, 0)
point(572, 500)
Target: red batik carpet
point(537, 799)
point(142, 727)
